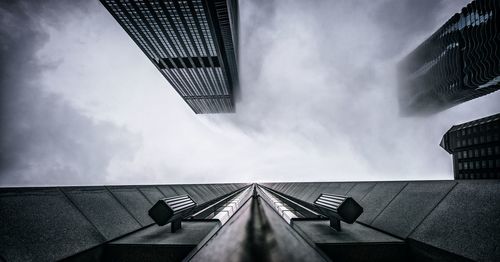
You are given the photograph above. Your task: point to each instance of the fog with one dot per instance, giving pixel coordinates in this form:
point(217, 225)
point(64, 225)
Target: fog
point(81, 104)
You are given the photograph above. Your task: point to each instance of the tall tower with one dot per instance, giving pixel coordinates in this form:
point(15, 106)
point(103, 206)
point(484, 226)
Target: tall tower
point(475, 147)
point(193, 43)
point(459, 62)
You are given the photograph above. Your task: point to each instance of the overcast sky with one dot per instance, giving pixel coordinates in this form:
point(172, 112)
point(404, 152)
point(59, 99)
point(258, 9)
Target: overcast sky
point(81, 104)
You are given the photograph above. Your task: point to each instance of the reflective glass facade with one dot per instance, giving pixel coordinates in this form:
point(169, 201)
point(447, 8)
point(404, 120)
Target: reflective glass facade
point(459, 62)
point(475, 147)
point(193, 43)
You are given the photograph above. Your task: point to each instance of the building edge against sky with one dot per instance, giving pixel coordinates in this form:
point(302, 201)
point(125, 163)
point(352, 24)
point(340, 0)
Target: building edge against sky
point(194, 45)
point(475, 147)
point(459, 62)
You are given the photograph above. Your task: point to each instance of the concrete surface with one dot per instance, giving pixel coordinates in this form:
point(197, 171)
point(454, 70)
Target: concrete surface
point(440, 221)
point(378, 198)
point(466, 222)
point(191, 233)
point(42, 225)
point(152, 193)
point(354, 242)
point(135, 202)
point(47, 224)
point(103, 211)
point(411, 206)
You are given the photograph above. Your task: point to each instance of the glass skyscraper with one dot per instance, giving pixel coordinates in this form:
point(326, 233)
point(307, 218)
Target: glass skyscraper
point(459, 62)
point(193, 43)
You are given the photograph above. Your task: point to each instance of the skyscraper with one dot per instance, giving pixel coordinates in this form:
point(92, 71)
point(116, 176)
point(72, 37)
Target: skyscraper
point(193, 43)
point(475, 147)
point(459, 62)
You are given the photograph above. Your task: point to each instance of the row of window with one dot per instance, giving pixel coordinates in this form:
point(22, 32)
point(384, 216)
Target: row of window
point(192, 82)
point(158, 49)
point(479, 164)
point(477, 140)
point(211, 105)
point(472, 19)
point(479, 175)
point(483, 127)
point(479, 152)
point(210, 76)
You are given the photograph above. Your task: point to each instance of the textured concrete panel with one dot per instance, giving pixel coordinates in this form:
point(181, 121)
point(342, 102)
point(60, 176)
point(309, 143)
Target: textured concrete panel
point(320, 232)
point(167, 191)
point(466, 222)
point(103, 210)
point(205, 192)
point(338, 188)
point(195, 193)
point(135, 202)
point(411, 206)
point(191, 233)
point(179, 189)
point(378, 198)
point(215, 191)
point(360, 190)
point(156, 243)
point(301, 191)
point(309, 191)
point(315, 191)
point(42, 225)
point(354, 243)
point(152, 193)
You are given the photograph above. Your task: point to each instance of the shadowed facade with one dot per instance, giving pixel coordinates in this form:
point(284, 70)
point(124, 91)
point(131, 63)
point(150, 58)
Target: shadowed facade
point(456, 220)
point(475, 147)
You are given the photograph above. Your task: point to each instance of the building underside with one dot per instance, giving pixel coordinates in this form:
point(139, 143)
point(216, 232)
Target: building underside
point(410, 220)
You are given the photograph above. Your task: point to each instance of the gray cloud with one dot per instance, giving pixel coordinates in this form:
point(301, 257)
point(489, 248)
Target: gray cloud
point(329, 80)
point(318, 99)
point(44, 140)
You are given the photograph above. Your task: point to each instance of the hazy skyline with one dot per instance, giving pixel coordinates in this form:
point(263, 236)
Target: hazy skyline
point(81, 103)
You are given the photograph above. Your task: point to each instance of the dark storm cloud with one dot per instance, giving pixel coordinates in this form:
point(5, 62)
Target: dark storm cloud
point(44, 140)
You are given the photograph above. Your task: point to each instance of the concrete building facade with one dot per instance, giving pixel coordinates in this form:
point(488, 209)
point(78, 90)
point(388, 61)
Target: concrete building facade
point(456, 220)
point(475, 147)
